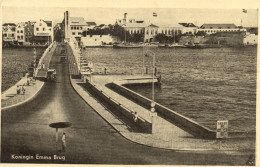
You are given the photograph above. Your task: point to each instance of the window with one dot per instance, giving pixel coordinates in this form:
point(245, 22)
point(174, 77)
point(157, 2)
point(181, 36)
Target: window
point(156, 32)
point(210, 27)
point(49, 29)
point(21, 36)
point(165, 32)
point(79, 33)
point(17, 31)
point(37, 29)
point(5, 35)
point(219, 28)
point(151, 32)
point(169, 31)
point(71, 28)
point(21, 31)
point(147, 32)
point(81, 28)
point(43, 29)
point(77, 28)
point(228, 27)
point(137, 31)
point(18, 37)
point(12, 35)
point(73, 33)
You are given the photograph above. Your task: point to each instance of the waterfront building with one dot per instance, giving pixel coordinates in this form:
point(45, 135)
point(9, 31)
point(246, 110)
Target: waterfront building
point(150, 30)
point(20, 33)
point(97, 40)
point(74, 26)
point(250, 39)
point(8, 30)
point(29, 32)
point(214, 28)
point(189, 28)
point(126, 21)
point(43, 32)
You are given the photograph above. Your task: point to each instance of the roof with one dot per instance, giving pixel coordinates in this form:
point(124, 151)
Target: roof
point(49, 23)
point(22, 24)
point(10, 24)
point(171, 25)
point(152, 25)
point(77, 21)
point(135, 25)
point(187, 24)
point(217, 26)
point(91, 23)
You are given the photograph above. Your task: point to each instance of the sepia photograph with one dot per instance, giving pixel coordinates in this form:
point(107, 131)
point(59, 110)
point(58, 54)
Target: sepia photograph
point(128, 85)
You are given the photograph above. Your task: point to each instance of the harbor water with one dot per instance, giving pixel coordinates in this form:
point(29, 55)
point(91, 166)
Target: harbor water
point(205, 85)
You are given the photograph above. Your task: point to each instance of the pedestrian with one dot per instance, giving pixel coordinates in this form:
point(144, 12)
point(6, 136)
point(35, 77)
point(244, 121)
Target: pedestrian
point(18, 89)
point(28, 81)
point(63, 139)
point(251, 160)
point(23, 89)
point(136, 117)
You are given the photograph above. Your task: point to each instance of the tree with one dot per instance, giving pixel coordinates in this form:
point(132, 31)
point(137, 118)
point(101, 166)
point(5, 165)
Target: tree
point(162, 38)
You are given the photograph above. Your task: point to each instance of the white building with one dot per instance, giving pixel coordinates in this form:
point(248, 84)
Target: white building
point(250, 39)
point(20, 33)
point(97, 40)
point(8, 30)
point(150, 30)
point(76, 26)
point(214, 28)
point(43, 31)
point(189, 28)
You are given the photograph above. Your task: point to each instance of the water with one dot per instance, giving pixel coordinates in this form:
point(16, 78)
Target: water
point(15, 63)
point(204, 84)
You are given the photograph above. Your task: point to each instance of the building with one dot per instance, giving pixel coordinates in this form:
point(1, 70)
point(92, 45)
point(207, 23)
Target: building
point(188, 28)
point(150, 30)
point(126, 21)
point(74, 26)
point(58, 30)
point(97, 40)
point(91, 25)
point(20, 33)
point(8, 32)
point(214, 28)
point(29, 32)
point(43, 32)
point(250, 39)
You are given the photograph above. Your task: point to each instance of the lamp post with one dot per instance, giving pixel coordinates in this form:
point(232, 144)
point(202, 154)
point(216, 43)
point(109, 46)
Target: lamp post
point(34, 65)
point(153, 113)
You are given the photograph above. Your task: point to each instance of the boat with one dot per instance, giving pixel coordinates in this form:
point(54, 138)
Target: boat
point(202, 46)
point(175, 45)
point(117, 46)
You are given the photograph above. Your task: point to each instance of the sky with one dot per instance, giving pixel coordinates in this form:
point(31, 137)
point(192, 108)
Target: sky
point(103, 12)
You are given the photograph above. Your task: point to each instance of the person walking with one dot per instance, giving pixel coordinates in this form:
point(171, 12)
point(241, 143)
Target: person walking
point(63, 139)
point(23, 89)
point(18, 89)
point(136, 117)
